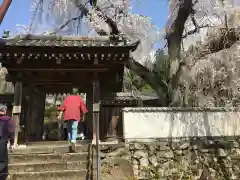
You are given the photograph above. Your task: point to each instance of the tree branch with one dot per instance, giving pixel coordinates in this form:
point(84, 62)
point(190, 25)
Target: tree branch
point(197, 27)
point(150, 78)
point(108, 20)
point(40, 3)
point(112, 24)
point(196, 30)
point(65, 24)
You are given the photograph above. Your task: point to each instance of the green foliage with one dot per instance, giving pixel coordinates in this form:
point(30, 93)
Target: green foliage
point(50, 111)
point(161, 65)
point(160, 69)
point(146, 87)
point(134, 82)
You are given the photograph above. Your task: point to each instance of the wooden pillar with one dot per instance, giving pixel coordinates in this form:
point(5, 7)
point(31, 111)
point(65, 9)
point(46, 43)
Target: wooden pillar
point(17, 109)
point(89, 118)
point(96, 113)
point(27, 111)
point(40, 118)
point(36, 115)
point(96, 108)
point(21, 136)
point(27, 95)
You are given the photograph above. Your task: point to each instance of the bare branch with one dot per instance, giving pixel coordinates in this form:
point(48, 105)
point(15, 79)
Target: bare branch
point(108, 20)
point(39, 3)
point(193, 20)
point(197, 27)
point(65, 24)
point(196, 30)
point(84, 12)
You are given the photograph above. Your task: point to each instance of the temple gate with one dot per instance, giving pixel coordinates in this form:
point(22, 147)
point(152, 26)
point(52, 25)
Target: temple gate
point(38, 65)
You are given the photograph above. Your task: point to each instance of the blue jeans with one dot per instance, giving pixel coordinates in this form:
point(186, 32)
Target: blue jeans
point(72, 129)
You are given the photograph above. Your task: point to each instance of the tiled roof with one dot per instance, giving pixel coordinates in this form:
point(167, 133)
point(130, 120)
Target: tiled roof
point(64, 41)
point(129, 96)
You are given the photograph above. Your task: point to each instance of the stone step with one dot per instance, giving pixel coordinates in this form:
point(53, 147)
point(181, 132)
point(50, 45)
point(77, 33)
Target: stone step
point(42, 167)
point(43, 149)
point(47, 158)
point(50, 175)
point(53, 143)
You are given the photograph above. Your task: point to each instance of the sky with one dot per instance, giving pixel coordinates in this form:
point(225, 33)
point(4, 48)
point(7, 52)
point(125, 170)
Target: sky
point(18, 13)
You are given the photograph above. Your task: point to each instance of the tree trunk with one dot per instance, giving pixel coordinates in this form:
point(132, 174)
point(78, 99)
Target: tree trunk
point(179, 13)
point(4, 8)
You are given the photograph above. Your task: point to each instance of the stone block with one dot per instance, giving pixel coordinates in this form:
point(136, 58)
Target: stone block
point(50, 175)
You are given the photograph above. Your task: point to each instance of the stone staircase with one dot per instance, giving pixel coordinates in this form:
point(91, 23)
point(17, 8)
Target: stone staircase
point(50, 160)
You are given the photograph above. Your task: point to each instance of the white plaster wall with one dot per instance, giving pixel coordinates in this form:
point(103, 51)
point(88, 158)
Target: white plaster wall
point(151, 123)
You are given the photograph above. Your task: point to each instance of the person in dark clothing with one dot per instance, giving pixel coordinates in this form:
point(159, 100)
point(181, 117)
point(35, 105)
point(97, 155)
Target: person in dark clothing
point(6, 133)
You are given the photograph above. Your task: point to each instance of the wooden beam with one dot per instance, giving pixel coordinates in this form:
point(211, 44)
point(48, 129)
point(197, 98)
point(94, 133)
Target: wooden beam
point(41, 50)
point(61, 88)
point(56, 83)
point(48, 76)
point(43, 64)
point(59, 85)
point(59, 70)
point(28, 73)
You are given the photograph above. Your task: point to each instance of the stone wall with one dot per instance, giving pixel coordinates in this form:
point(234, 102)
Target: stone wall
point(172, 159)
point(175, 143)
point(186, 159)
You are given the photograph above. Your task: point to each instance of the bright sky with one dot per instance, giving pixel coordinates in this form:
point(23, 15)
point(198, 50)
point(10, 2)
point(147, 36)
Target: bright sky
point(18, 13)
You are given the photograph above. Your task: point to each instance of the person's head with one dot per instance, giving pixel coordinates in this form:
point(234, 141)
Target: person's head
point(3, 109)
point(74, 91)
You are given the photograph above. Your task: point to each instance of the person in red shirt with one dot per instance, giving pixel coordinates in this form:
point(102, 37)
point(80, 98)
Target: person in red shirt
point(73, 109)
